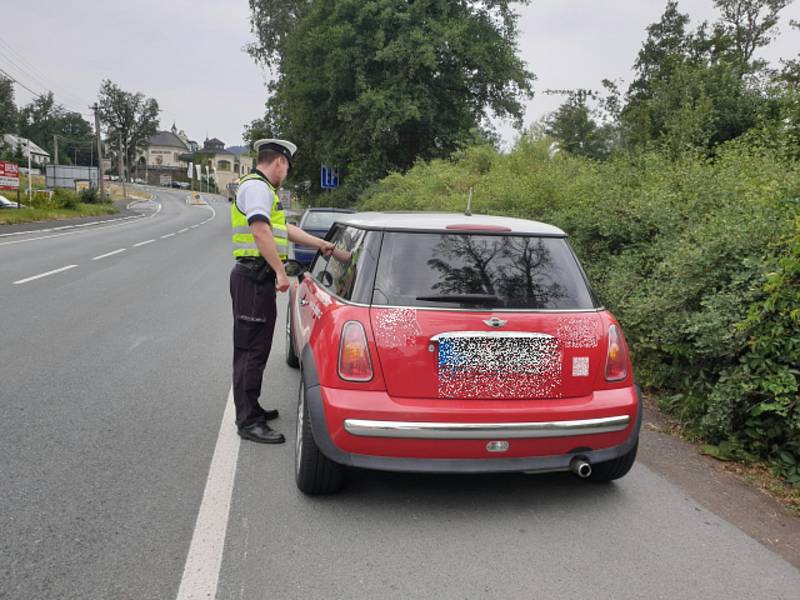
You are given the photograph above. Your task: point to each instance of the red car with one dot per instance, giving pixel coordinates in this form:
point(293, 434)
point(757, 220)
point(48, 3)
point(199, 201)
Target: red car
point(445, 343)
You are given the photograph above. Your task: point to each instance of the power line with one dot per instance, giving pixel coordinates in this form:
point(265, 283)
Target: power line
point(37, 94)
point(35, 73)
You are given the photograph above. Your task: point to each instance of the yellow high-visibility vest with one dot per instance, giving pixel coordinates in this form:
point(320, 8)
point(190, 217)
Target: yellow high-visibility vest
point(244, 244)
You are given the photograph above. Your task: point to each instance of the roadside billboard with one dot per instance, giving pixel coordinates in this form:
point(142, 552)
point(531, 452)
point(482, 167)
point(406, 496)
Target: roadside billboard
point(64, 176)
point(9, 176)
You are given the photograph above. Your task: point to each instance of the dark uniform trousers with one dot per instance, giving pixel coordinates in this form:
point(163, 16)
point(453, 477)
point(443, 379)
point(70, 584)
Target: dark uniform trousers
point(254, 313)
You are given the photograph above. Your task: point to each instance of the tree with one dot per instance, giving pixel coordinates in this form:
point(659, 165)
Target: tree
point(664, 50)
point(272, 21)
point(129, 117)
point(575, 128)
point(372, 86)
point(691, 88)
point(43, 119)
point(748, 25)
point(8, 110)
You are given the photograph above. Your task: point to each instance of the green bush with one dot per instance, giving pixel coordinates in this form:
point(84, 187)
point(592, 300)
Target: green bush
point(89, 196)
point(682, 250)
point(63, 198)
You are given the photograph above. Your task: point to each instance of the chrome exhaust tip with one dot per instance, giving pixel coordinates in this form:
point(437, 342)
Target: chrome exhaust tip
point(580, 467)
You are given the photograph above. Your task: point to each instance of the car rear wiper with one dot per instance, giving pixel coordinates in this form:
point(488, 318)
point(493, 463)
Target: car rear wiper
point(463, 298)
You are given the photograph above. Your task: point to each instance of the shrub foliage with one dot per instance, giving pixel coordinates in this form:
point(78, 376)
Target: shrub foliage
point(698, 257)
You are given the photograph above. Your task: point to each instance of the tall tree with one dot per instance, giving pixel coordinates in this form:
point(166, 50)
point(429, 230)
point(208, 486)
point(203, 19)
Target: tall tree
point(127, 116)
point(272, 21)
point(372, 86)
point(575, 128)
point(8, 109)
point(748, 25)
point(663, 51)
point(44, 119)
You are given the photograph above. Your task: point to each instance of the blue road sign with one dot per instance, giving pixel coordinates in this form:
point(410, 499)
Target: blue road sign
point(328, 177)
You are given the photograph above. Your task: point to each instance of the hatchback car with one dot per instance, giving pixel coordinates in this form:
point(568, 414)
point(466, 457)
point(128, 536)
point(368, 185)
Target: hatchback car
point(317, 222)
point(445, 343)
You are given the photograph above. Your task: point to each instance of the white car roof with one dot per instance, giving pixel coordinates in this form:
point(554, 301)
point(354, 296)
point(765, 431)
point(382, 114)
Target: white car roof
point(432, 221)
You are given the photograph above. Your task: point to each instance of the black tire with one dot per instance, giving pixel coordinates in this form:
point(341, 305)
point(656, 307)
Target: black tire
point(616, 468)
point(314, 472)
point(291, 355)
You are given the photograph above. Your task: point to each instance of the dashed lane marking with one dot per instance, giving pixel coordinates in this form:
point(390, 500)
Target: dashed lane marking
point(168, 235)
point(109, 254)
point(144, 243)
point(53, 272)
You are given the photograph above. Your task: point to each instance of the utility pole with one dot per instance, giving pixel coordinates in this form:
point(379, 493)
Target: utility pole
point(100, 174)
point(119, 164)
point(55, 146)
point(30, 174)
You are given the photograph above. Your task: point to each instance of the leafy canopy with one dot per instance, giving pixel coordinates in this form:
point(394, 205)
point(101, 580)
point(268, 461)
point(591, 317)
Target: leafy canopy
point(371, 86)
point(129, 117)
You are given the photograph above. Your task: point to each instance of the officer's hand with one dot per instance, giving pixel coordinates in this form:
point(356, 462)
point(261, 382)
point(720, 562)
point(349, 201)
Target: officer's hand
point(281, 282)
point(327, 248)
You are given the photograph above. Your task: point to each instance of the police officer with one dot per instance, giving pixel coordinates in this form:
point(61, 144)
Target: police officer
point(260, 246)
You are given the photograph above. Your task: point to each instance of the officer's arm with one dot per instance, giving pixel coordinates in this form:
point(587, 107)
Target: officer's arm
point(298, 236)
point(265, 243)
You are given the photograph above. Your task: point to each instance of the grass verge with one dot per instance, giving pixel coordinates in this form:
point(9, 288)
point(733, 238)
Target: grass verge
point(12, 216)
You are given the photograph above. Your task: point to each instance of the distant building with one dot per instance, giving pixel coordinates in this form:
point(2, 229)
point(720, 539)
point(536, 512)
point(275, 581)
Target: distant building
point(39, 156)
point(164, 156)
point(228, 164)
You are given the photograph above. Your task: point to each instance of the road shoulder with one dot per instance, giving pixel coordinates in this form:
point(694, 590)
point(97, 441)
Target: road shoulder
point(721, 491)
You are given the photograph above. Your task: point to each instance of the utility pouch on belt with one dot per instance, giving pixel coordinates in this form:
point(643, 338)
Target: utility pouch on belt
point(258, 272)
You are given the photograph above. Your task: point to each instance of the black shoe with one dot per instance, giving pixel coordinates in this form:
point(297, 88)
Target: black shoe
point(269, 415)
point(261, 434)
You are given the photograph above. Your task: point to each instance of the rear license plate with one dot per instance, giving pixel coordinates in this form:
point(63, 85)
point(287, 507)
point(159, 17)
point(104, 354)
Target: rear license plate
point(499, 367)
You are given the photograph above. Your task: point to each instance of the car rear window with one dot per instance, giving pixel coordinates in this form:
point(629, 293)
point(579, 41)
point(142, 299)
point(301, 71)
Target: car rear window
point(321, 220)
point(480, 272)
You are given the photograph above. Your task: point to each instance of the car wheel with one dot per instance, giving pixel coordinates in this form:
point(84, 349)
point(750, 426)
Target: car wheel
point(291, 355)
point(616, 468)
point(314, 472)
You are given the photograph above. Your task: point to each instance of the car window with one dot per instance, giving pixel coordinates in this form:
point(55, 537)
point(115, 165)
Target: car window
point(348, 272)
point(320, 219)
point(479, 271)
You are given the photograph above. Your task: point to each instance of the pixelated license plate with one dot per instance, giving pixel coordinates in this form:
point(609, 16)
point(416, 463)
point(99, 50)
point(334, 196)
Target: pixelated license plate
point(518, 366)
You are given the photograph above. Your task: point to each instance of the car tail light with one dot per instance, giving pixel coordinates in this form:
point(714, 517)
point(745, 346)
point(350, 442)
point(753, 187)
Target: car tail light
point(617, 359)
point(354, 361)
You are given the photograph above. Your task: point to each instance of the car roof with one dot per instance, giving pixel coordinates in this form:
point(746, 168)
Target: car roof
point(329, 209)
point(450, 222)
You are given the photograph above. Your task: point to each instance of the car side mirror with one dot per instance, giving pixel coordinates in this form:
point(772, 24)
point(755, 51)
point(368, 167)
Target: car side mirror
point(293, 268)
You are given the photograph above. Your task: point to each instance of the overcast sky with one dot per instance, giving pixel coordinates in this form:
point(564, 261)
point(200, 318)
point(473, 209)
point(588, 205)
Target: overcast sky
point(188, 53)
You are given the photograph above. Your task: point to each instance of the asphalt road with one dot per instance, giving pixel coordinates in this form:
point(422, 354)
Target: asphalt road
point(114, 376)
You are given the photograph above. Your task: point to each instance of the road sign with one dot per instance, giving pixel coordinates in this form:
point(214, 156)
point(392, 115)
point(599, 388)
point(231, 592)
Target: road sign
point(328, 177)
point(9, 176)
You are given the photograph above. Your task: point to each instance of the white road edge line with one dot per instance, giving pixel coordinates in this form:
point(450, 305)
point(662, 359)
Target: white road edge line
point(182, 230)
point(109, 254)
point(143, 243)
point(168, 235)
point(203, 563)
point(53, 272)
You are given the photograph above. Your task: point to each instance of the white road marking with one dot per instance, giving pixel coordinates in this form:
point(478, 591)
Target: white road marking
point(168, 235)
point(195, 226)
point(109, 254)
point(143, 243)
point(68, 267)
point(182, 230)
point(203, 563)
point(47, 237)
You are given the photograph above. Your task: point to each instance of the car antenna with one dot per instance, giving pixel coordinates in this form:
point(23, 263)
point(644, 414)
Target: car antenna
point(468, 212)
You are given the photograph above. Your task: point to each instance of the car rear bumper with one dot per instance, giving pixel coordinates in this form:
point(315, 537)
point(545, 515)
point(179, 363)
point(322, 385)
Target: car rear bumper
point(460, 443)
point(484, 431)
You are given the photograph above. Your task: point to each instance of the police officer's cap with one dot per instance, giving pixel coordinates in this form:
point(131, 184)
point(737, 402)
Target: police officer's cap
point(283, 147)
